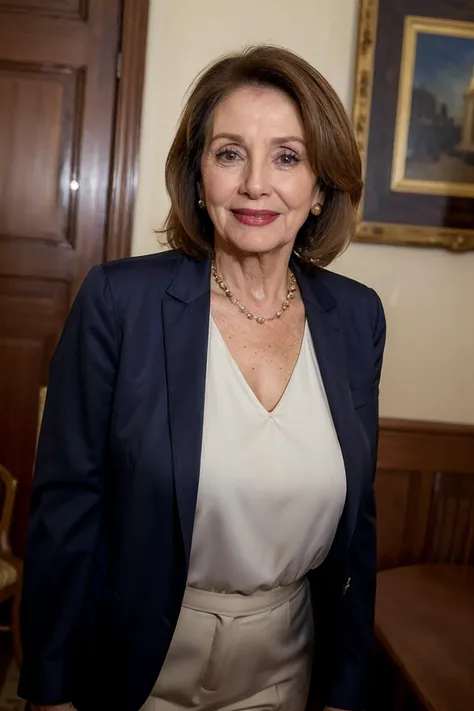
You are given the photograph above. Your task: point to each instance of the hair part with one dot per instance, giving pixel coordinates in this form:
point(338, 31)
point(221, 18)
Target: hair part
point(331, 147)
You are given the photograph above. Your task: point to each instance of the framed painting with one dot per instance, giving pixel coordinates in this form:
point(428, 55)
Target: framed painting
point(414, 122)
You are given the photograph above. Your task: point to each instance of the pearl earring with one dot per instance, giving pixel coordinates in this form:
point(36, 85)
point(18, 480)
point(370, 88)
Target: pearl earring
point(316, 209)
point(201, 204)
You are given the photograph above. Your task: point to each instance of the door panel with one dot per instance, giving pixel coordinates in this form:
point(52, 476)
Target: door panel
point(57, 107)
point(76, 9)
point(42, 110)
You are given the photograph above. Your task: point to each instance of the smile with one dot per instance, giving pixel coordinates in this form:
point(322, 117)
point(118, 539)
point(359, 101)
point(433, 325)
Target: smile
point(255, 218)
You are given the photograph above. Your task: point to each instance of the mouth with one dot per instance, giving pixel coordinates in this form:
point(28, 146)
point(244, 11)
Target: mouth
point(255, 218)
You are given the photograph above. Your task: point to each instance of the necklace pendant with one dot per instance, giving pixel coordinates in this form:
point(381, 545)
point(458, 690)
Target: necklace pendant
point(260, 320)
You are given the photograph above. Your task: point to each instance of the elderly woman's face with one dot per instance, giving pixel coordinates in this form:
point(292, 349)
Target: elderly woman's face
point(257, 183)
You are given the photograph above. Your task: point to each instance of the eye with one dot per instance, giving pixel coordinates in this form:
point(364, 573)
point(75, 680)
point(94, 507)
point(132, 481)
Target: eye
point(228, 155)
point(288, 159)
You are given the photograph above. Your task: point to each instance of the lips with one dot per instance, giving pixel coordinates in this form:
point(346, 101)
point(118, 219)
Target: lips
point(256, 218)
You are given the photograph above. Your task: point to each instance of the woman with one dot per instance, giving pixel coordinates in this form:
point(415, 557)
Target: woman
point(202, 531)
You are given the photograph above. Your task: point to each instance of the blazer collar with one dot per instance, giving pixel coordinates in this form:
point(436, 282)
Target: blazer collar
point(192, 280)
point(311, 286)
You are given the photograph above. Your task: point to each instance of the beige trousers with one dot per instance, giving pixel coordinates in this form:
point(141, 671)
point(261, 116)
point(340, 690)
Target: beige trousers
point(237, 652)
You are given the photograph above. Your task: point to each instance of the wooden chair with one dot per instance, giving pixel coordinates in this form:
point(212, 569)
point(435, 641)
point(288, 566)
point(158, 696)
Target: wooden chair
point(10, 566)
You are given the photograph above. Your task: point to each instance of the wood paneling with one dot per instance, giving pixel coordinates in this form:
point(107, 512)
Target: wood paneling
point(58, 89)
point(75, 9)
point(66, 121)
point(450, 530)
point(69, 137)
point(425, 493)
point(41, 111)
point(425, 500)
point(127, 128)
point(32, 312)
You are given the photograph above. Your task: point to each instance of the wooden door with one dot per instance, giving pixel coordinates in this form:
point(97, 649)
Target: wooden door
point(58, 69)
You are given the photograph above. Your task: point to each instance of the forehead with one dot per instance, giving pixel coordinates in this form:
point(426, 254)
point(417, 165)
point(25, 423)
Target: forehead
point(249, 110)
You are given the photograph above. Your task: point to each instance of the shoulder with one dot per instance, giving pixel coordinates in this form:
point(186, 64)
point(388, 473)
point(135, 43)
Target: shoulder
point(128, 287)
point(354, 300)
point(132, 272)
point(342, 287)
point(136, 280)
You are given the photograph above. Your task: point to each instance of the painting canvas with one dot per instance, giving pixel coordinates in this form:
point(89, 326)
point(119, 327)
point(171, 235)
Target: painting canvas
point(434, 146)
point(414, 122)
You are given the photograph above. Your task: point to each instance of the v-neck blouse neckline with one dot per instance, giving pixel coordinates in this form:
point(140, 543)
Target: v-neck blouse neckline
point(245, 386)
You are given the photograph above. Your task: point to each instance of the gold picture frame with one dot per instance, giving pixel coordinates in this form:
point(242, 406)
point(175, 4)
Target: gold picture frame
point(435, 212)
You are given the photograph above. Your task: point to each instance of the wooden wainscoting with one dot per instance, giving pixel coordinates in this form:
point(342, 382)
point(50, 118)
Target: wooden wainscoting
point(425, 493)
point(425, 499)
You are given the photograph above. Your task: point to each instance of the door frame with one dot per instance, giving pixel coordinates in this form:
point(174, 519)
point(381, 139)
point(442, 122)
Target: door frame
point(126, 147)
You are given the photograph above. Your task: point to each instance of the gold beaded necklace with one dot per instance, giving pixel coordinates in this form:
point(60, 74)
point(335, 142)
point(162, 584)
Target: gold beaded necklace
point(259, 319)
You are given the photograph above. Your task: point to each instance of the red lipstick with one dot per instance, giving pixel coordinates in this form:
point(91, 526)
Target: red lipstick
point(255, 218)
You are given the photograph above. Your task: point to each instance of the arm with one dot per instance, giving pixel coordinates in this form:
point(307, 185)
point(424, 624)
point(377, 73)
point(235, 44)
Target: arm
point(354, 649)
point(68, 487)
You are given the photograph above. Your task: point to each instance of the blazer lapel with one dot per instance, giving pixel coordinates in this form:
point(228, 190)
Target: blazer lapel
point(186, 308)
point(323, 320)
point(186, 313)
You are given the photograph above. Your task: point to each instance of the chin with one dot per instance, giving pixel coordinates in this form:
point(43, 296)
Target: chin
point(256, 242)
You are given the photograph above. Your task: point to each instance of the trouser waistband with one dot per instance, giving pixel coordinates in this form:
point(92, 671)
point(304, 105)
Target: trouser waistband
point(236, 604)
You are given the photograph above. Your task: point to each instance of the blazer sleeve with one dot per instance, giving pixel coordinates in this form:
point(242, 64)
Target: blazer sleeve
point(355, 643)
point(68, 488)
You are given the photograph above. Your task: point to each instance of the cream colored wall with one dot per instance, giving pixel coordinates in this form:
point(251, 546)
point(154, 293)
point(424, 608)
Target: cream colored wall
point(428, 294)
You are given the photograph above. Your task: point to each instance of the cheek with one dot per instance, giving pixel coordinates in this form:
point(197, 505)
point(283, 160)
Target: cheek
point(219, 185)
point(298, 192)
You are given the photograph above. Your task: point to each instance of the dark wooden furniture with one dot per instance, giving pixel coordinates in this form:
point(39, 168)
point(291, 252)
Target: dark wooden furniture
point(71, 78)
point(425, 624)
point(425, 502)
point(425, 493)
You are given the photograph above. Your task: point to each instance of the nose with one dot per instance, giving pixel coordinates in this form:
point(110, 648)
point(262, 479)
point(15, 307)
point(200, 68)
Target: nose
point(256, 180)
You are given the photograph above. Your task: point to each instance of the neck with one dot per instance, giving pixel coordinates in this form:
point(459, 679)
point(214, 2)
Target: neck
point(258, 279)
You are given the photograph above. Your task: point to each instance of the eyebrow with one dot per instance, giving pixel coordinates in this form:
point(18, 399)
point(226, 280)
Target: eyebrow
point(239, 139)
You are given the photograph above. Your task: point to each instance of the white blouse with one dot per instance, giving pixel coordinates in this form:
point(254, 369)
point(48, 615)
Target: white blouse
point(272, 484)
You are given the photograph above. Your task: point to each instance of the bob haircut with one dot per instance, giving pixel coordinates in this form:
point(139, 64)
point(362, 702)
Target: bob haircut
point(331, 147)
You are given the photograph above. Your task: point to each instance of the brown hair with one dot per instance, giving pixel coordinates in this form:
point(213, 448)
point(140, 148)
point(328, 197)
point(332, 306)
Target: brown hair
point(331, 145)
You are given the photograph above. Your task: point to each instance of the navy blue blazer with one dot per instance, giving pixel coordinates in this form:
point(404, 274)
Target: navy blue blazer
point(117, 474)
